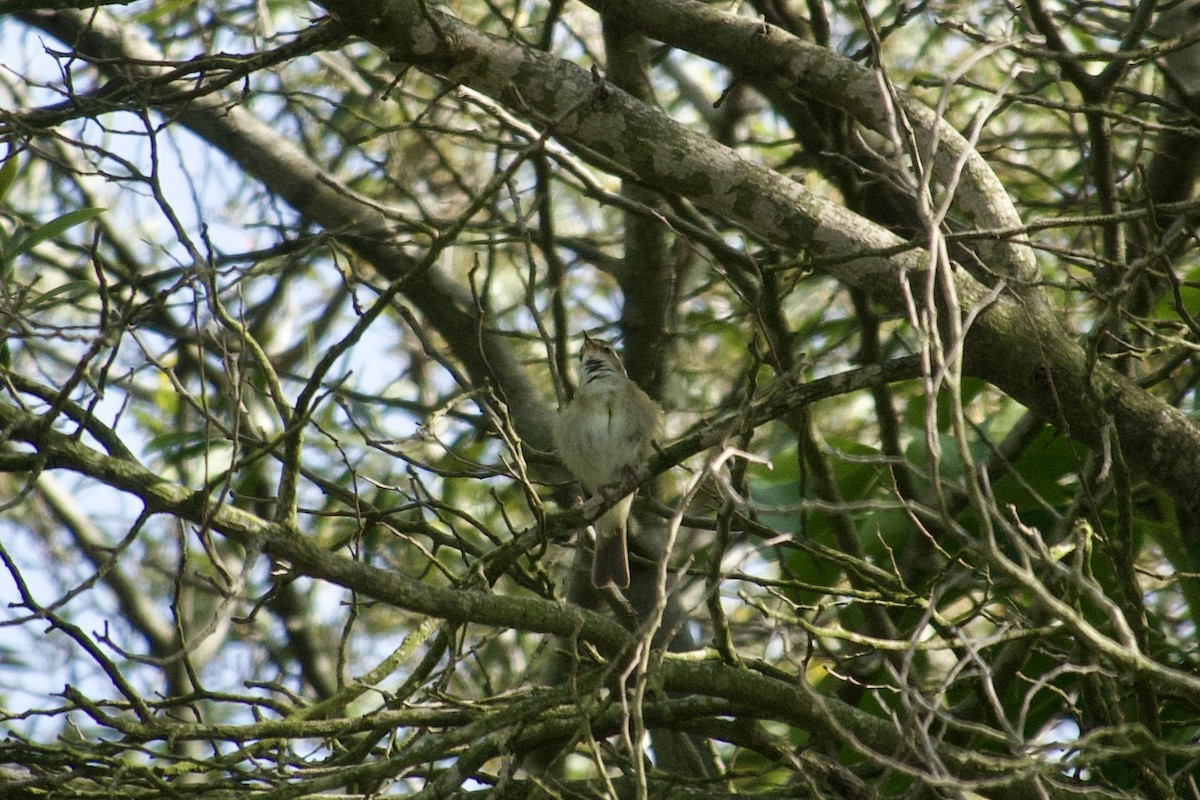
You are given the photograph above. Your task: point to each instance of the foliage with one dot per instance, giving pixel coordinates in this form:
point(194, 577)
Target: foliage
point(290, 294)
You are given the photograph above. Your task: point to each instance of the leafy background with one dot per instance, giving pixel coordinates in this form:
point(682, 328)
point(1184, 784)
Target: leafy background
point(289, 299)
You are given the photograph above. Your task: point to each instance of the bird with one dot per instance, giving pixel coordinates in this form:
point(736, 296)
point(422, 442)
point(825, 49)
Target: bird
point(610, 426)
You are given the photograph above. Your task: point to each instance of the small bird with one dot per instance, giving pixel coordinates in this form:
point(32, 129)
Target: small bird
point(608, 428)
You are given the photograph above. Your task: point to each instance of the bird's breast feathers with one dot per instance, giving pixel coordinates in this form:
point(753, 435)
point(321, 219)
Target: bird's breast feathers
point(595, 425)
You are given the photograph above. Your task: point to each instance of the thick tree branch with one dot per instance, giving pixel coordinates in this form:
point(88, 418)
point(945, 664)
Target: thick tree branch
point(770, 697)
point(1016, 342)
point(159, 495)
point(318, 196)
point(429, 529)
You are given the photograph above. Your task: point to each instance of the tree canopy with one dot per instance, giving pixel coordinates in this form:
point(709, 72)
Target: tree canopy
point(291, 294)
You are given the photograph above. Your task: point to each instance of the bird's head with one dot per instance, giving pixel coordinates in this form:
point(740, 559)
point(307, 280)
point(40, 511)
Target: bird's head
point(598, 361)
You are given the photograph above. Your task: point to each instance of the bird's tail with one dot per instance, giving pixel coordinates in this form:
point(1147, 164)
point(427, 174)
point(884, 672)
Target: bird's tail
point(610, 564)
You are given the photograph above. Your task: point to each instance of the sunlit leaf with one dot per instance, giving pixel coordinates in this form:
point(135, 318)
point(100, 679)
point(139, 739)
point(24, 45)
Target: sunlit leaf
point(8, 173)
point(53, 229)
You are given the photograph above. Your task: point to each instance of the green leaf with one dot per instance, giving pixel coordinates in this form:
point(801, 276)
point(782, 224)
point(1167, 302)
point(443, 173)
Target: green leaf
point(54, 228)
point(188, 442)
point(8, 173)
point(74, 290)
point(5, 259)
